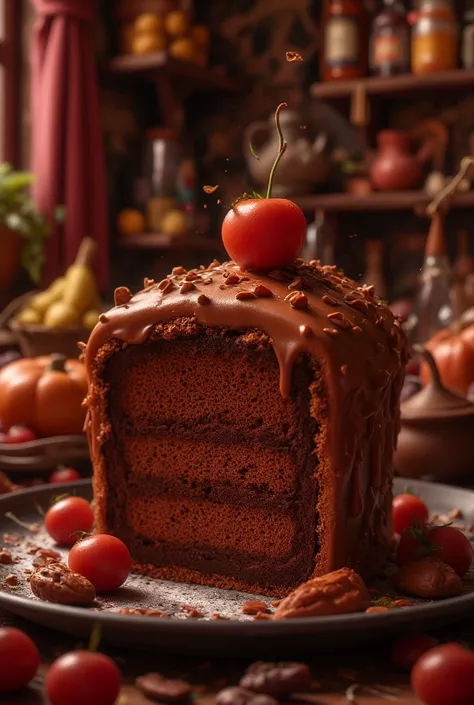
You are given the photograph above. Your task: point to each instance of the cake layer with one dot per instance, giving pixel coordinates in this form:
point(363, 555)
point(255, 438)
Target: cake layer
point(208, 525)
point(181, 387)
point(192, 463)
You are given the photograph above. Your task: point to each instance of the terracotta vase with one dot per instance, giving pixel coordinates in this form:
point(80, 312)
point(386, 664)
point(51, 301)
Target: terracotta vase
point(10, 256)
point(395, 167)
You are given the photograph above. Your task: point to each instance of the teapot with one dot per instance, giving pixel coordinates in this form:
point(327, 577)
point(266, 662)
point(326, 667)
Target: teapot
point(437, 427)
point(304, 164)
point(395, 167)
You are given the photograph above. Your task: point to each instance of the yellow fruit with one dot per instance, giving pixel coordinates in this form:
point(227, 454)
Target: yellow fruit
point(148, 23)
point(183, 49)
point(60, 315)
point(148, 43)
point(42, 301)
point(90, 319)
point(201, 35)
point(29, 316)
point(176, 23)
point(130, 222)
point(174, 223)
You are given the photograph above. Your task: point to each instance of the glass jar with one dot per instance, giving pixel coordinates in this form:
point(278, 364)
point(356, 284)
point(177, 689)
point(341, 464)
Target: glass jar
point(390, 40)
point(434, 43)
point(344, 54)
point(467, 46)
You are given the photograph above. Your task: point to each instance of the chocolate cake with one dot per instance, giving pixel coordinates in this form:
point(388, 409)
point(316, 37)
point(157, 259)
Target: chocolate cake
point(242, 426)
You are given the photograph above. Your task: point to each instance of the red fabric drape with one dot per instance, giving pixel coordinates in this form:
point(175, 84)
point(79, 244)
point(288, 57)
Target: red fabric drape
point(67, 149)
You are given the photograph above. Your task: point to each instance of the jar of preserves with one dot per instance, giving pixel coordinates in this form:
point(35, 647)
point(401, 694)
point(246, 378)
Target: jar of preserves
point(390, 40)
point(434, 43)
point(467, 46)
point(160, 173)
point(344, 54)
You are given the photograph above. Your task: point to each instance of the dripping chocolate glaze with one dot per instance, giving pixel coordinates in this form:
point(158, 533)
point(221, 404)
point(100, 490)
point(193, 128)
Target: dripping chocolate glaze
point(305, 309)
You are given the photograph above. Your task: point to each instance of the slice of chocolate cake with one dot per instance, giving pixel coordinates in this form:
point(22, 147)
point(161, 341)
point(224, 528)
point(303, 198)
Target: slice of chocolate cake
point(242, 426)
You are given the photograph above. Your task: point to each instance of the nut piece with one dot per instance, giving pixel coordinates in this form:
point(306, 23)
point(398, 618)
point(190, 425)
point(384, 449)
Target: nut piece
point(122, 295)
point(155, 686)
point(280, 680)
point(340, 592)
point(54, 582)
point(240, 696)
point(254, 606)
point(428, 577)
point(6, 557)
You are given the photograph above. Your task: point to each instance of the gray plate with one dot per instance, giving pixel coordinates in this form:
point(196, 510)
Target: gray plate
point(236, 635)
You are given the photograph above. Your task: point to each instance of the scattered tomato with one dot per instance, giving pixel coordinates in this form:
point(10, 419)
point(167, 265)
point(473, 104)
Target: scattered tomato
point(444, 674)
point(66, 518)
point(264, 234)
point(20, 434)
point(102, 559)
point(83, 678)
point(407, 650)
point(19, 659)
point(455, 547)
point(445, 542)
point(64, 475)
point(408, 510)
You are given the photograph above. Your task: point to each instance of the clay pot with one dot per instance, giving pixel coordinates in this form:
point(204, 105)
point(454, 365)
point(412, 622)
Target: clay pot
point(437, 427)
point(10, 260)
point(395, 167)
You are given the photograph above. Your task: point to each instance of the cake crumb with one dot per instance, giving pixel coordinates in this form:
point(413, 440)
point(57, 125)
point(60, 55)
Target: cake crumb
point(262, 615)
point(192, 611)
point(11, 580)
point(6, 557)
point(11, 540)
point(254, 607)
point(455, 514)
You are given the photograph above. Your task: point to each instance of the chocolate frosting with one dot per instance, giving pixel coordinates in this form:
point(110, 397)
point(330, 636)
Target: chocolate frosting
point(306, 309)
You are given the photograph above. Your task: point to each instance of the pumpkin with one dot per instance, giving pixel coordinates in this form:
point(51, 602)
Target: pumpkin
point(44, 394)
point(453, 351)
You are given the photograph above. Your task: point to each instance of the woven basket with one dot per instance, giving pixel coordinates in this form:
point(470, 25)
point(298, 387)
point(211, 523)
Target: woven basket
point(37, 340)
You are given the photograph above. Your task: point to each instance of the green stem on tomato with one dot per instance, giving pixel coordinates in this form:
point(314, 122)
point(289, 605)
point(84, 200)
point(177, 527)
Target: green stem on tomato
point(281, 149)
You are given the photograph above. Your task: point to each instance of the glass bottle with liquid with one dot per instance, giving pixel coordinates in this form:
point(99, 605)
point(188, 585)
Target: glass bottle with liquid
point(344, 54)
point(390, 40)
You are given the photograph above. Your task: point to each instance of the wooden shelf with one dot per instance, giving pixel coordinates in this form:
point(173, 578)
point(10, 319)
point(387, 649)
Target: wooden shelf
point(158, 241)
point(394, 85)
point(376, 201)
point(159, 63)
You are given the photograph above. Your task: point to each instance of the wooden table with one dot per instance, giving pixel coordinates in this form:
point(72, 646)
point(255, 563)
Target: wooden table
point(333, 674)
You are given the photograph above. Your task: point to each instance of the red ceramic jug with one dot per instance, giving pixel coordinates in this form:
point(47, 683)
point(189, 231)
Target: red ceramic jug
point(395, 167)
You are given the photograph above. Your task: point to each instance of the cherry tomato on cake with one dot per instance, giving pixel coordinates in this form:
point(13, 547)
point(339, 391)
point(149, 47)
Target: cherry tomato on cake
point(102, 559)
point(445, 542)
point(83, 678)
point(407, 650)
point(20, 434)
point(68, 517)
point(408, 510)
point(264, 233)
point(444, 675)
point(19, 659)
point(64, 475)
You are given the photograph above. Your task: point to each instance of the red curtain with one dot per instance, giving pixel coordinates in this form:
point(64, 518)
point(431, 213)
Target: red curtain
point(67, 149)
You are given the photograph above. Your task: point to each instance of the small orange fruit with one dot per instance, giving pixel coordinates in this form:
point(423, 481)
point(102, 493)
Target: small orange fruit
point(176, 23)
point(148, 23)
point(130, 222)
point(148, 43)
point(183, 49)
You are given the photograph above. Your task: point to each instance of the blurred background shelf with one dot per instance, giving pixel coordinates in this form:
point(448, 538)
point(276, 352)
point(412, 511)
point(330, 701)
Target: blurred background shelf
point(376, 201)
point(158, 241)
point(394, 85)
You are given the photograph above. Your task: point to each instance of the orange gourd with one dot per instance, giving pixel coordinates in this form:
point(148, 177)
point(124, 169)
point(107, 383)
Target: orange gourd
point(44, 394)
point(453, 350)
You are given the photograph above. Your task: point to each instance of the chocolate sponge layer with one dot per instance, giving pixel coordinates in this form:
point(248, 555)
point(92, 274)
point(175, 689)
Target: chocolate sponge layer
point(209, 468)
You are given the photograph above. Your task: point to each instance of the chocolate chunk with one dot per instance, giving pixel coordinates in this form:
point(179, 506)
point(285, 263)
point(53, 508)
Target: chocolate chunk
point(280, 680)
point(203, 300)
point(103, 318)
point(178, 271)
point(241, 696)
point(155, 686)
point(306, 331)
point(185, 287)
point(244, 295)
point(122, 295)
point(232, 279)
point(262, 291)
point(165, 285)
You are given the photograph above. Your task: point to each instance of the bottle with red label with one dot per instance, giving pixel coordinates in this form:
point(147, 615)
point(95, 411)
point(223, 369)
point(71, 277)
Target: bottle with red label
point(344, 54)
point(390, 40)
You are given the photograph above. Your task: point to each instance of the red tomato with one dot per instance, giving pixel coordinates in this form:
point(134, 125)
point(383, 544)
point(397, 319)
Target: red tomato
point(407, 650)
point(64, 475)
point(455, 548)
point(265, 233)
point(66, 518)
point(83, 678)
point(408, 510)
point(102, 559)
point(19, 659)
point(20, 434)
point(444, 676)
point(445, 542)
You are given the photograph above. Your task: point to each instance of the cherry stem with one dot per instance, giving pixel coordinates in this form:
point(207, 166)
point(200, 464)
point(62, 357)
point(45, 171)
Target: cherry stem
point(281, 148)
